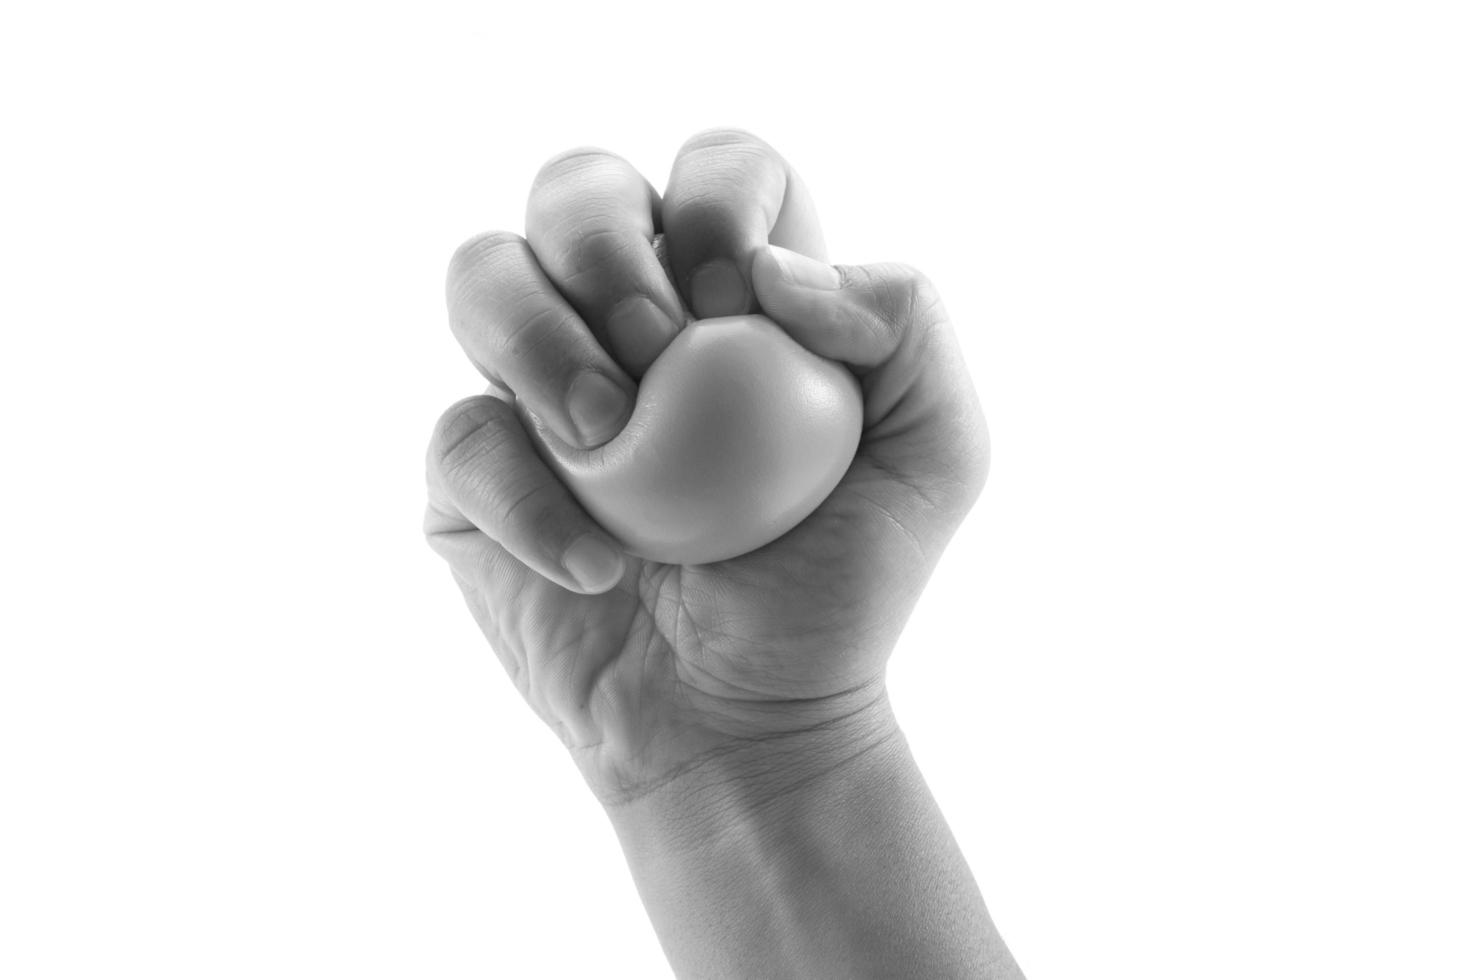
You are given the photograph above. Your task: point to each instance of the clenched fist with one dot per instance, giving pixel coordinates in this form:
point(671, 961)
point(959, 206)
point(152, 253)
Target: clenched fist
point(648, 669)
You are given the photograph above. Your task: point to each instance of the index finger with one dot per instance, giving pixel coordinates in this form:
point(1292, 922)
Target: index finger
point(523, 336)
point(729, 194)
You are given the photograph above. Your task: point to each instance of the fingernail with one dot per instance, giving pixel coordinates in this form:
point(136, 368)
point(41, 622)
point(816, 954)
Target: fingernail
point(595, 564)
point(639, 331)
point(804, 270)
point(597, 406)
point(718, 289)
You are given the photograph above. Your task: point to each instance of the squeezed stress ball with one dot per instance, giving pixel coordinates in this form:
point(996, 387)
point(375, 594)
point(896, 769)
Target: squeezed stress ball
point(737, 434)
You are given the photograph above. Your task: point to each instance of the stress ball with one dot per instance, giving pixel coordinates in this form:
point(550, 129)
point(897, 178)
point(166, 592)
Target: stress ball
point(737, 434)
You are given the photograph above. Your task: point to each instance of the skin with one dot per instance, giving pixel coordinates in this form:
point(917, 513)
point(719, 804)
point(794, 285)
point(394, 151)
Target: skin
point(731, 717)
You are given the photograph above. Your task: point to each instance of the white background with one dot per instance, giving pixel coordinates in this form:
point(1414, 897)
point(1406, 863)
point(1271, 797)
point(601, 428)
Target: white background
point(1189, 684)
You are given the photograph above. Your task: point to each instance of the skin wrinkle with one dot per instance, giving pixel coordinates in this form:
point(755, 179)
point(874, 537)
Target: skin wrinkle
point(747, 630)
point(547, 327)
point(598, 254)
point(880, 330)
point(567, 657)
point(731, 747)
point(685, 616)
point(897, 475)
point(894, 403)
point(710, 196)
point(765, 699)
point(691, 664)
point(965, 481)
point(740, 626)
point(703, 644)
point(650, 640)
point(473, 262)
point(592, 187)
point(539, 699)
point(739, 745)
point(458, 464)
point(442, 456)
point(457, 542)
point(734, 157)
point(685, 663)
point(791, 788)
point(703, 633)
point(701, 207)
point(894, 522)
point(631, 791)
point(520, 291)
point(560, 212)
point(471, 317)
point(490, 626)
point(610, 218)
point(608, 663)
point(588, 457)
point(544, 518)
point(729, 138)
point(750, 649)
point(569, 163)
point(438, 521)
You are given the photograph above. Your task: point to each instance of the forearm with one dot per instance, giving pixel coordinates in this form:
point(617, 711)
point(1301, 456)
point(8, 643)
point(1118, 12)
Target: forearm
point(820, 855)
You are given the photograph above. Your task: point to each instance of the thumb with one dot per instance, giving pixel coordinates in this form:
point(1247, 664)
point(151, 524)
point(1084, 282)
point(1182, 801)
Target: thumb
point(922, 418)
point(858, 314)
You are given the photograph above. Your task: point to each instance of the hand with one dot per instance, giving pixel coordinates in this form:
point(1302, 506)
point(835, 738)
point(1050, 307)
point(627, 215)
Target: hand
point(648, 671)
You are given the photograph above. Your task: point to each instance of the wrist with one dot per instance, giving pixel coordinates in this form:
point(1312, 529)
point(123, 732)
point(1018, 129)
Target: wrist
point(744, 781)
point(726, 852)
point(815, 853)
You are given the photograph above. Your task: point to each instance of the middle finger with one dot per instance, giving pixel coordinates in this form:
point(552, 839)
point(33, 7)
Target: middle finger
point(591, 220)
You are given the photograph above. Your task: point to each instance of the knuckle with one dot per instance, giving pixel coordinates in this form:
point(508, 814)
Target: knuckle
point(700, 209)
point(721, 168)
point(480, 255)
point(526, 505)
point(535, 331)
point(575, 164)
point(903, 300)
point(733, 182)
point(485, 469)
point(464, 434)
point(724, 138)
point(598, 253)
point(903, 294)
point(520, 496)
